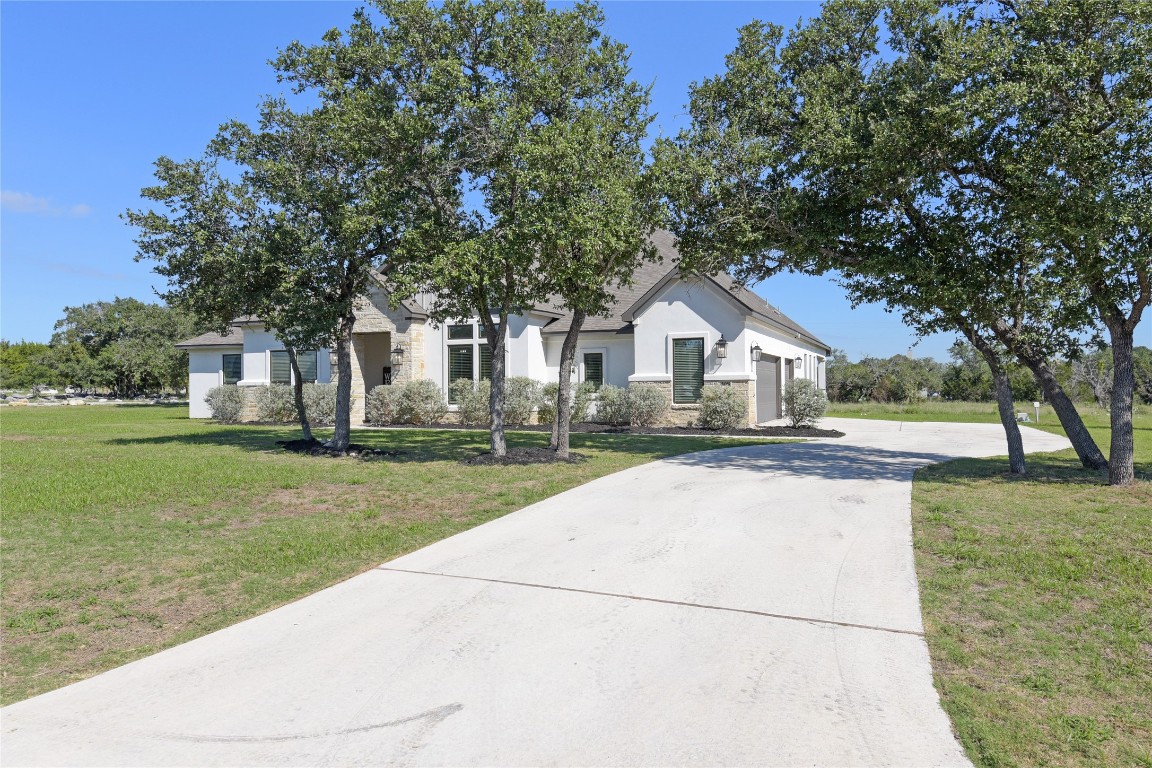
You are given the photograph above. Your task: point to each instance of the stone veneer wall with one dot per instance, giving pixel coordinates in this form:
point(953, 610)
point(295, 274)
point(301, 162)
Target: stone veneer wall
point(248, 410)
point(373, 315)
point(680, 415)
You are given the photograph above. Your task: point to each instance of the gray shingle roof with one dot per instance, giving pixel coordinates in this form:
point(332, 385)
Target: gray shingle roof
point(652, 274)
point(212, 339)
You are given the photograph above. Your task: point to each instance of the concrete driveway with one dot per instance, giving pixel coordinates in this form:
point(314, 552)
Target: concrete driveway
point(748, 606)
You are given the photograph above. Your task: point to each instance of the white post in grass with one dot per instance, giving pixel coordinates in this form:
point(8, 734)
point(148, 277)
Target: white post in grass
point(1036, 405)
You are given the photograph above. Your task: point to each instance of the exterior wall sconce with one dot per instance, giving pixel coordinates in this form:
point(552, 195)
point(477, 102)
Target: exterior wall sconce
point(721, 348)
point(799, 360)
point(398, 355)
point(756, 352)
point(333, 359)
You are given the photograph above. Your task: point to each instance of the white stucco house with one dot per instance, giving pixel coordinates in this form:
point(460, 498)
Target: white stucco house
point(677, 332)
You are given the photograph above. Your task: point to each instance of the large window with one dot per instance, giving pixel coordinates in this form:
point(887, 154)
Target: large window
point(459, 366)
point(307, 363)
point(687, 370)
point(594, 368)
point(282, 367)
point(232, 368)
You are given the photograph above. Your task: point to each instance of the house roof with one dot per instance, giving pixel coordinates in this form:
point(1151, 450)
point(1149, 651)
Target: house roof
point(652, 277)
point(212, 339)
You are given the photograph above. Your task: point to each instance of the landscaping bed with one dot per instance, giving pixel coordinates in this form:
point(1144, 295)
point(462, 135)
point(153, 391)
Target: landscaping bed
point(609, 429)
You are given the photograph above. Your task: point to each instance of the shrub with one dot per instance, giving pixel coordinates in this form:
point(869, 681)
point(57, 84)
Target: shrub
point(647, 405)
point(319, 403)
point(420, 402)
point(721, 407)
point(546, 406)
point(472, 399)
point(582, 395)
point(275, 403)
point(804, 403)
point(226, 403)
point(381, 405)
point(612, 405)
point(582, 401)
point(521, 396)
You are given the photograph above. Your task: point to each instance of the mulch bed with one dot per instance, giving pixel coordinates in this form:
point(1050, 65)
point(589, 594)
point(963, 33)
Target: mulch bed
point(607, 429)
point(317, 448)
point(522, 456)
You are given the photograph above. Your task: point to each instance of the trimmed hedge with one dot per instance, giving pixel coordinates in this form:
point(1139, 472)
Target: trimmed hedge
point(721, 407)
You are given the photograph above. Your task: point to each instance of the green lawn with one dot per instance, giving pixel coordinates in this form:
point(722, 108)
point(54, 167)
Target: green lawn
point(130, 529)
point(1037, 597)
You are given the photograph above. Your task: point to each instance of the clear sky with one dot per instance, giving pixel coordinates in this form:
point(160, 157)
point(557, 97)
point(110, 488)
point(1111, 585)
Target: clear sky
point(91, 93)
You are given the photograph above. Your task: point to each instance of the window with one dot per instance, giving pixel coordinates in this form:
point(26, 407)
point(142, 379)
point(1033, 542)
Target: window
point(232, 368)
point(594, 368)
point(456, 332)
point(485, 362)
point(459, 365)
point(687, 370)
point(282, 367)
point(307, 363)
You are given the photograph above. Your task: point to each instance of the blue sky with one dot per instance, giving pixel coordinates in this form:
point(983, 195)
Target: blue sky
point(91, 93)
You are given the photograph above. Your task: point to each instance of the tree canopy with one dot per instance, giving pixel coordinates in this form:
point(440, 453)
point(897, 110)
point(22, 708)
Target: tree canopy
point(981, 166)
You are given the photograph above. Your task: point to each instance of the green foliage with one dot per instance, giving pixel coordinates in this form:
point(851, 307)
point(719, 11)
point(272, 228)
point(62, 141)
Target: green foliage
point(276, 404)
point(472, 400)
point(27, 364)
point(582, 399)
point(804, 403)
point(722, 407)
point(420, 402)
point(124, 345)
point(521, 398)
point(647, 405)
point(380, 405)
point(546, 407)
point(319, 403)
point(226, 403)
point(612, 405)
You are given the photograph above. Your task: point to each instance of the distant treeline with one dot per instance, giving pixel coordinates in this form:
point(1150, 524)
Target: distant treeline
point(966, 376)
point(123, 346)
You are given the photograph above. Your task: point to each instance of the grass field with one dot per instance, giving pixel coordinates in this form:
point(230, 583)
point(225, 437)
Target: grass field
point(1037, 597)
point(130, 529)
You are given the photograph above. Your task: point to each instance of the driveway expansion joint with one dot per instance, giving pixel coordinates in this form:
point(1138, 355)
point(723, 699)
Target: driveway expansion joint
point(639, 598)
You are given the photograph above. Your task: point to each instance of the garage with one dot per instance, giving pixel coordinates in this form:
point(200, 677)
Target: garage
point(768, 406)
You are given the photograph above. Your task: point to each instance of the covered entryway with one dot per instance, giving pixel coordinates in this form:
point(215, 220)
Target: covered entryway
point(768, 405)
point(375, 358)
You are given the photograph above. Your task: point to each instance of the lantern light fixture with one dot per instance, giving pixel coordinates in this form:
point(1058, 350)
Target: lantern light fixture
point(398, 355)
point(333, 360)
point(756, 352)
point(721, 348)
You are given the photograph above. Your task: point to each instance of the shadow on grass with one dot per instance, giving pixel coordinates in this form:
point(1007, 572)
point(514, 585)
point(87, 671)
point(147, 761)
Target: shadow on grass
point(1041, 468)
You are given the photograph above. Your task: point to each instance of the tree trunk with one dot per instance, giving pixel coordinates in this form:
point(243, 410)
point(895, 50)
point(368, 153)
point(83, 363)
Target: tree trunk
point(342, 435)
point(1005, 403)
point(1121, 466)
point(561, 427)
point(298, 395)
point(1085, 447)
point(496, 439)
